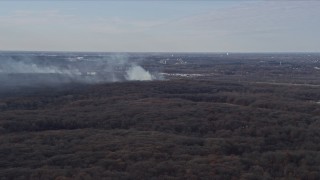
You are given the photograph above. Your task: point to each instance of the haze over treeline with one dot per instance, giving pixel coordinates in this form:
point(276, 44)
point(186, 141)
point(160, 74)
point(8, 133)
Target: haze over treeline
point(49, 69)
point(216, 116)
point(72, 109)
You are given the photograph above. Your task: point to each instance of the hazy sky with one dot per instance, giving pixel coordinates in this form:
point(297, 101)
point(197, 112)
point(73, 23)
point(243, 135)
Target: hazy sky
point(157, 26)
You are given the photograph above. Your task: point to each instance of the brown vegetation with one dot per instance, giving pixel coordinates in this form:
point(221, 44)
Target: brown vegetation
point(179, 129)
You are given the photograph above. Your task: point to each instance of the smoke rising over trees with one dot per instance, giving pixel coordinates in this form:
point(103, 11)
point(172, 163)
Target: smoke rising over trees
point(27, 69)
point(216, 116)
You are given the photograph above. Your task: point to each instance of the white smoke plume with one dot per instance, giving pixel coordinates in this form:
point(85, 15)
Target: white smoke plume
point(137, 73)
point(25, 69)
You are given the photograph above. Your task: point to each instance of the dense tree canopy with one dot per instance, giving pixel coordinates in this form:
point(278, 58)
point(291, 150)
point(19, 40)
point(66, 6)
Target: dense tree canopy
point(179, 129)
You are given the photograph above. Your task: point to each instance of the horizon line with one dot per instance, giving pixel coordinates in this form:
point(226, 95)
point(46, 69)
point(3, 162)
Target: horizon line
point(174, 52)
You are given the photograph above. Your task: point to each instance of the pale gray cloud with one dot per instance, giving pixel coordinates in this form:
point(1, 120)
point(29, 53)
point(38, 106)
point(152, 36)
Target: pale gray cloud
point(30, 18)
point(239, 26)
point(253, 26)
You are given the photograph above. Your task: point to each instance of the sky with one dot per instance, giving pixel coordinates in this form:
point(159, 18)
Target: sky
point(161, 26)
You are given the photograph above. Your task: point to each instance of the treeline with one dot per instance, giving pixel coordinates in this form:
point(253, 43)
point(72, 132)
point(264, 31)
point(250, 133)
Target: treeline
point(182, 129)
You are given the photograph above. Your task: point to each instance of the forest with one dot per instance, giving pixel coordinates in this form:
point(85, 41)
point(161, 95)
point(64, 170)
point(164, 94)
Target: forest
point(177, 128)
